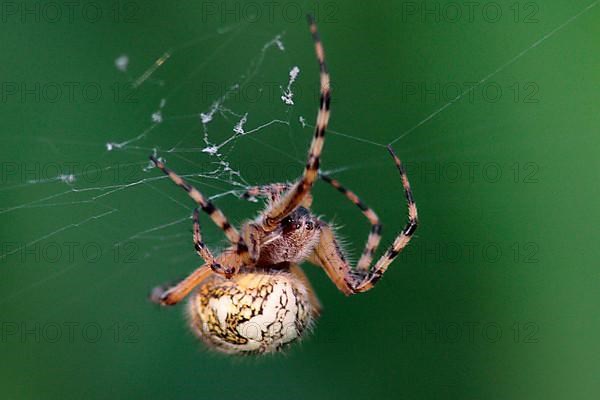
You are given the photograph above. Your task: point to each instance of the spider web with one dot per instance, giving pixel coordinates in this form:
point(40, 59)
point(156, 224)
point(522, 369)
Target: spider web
point(205, 140)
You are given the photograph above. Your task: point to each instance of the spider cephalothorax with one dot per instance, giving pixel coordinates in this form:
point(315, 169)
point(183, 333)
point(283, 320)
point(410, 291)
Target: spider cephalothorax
point(254, 297)
point(293, 240)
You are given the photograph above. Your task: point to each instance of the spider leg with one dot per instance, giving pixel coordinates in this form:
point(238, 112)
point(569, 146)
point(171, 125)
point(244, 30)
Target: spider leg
point(204, 252)
point(295, 196)
point(328, 254)
point(376, 227)
point(173, 295)
point(273, 193)
point(251, 233)
point(208, 207)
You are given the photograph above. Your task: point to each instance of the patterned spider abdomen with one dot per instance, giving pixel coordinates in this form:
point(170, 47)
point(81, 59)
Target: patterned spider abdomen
point(257, 312)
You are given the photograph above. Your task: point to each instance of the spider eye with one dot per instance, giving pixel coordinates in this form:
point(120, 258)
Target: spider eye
point(290, 223)
point(287, 221)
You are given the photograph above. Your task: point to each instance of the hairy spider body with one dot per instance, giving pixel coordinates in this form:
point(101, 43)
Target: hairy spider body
point(253, 297)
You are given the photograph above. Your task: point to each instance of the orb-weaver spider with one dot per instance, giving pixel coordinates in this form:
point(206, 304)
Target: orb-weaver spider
point(253, 297)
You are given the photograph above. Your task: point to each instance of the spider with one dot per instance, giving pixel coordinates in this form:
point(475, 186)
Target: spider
point(254, 297)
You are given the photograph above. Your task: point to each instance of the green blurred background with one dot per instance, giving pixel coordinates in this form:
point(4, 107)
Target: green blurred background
point(497, 295)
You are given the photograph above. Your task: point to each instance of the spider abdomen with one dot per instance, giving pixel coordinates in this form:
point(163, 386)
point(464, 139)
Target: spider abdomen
point(257, 312)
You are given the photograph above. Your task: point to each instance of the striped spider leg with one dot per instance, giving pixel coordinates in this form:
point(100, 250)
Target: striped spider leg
point(329, 256)
point(271, 191)
point(226, 264)
point(376, 227)
point(294, 197)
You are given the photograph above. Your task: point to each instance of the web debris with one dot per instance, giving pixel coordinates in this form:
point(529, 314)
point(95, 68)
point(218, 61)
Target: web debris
point(288, 95)
point(122, 62)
